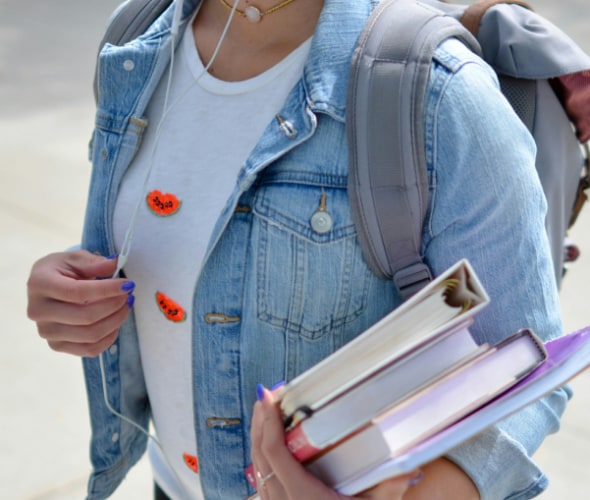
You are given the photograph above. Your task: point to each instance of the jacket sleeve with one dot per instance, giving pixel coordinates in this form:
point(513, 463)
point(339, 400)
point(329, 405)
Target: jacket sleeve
point(487, 205)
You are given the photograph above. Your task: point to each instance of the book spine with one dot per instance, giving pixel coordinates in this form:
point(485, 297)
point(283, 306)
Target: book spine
point(250, 476)
point(299, 444)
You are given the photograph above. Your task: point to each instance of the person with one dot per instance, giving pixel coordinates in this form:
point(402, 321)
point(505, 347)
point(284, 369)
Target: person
point(208, 166)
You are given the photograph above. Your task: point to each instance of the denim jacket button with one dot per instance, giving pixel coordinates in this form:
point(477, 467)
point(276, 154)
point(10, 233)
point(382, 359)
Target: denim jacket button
point(115, 437)
point(128, 65)
point(214, 422)
point(287, 127)
point(321, 222)
point(213, 317)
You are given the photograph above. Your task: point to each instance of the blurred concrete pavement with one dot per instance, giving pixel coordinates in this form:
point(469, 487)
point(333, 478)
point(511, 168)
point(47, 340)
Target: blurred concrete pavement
point(47, 52)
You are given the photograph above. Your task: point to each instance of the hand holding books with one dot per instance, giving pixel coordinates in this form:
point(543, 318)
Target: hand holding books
point(278, 475)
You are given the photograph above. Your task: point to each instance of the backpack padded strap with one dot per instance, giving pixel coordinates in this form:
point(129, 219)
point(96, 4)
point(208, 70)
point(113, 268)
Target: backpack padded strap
point(388, 184)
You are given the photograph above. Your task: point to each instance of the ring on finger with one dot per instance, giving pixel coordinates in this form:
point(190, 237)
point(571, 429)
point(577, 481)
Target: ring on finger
point(261, 480)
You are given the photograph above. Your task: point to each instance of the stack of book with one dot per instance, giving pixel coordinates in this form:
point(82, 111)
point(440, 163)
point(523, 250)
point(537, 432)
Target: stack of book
point(416, 384)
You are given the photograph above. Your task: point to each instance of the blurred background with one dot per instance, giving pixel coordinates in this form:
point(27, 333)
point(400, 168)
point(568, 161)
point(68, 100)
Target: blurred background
point(47, 56)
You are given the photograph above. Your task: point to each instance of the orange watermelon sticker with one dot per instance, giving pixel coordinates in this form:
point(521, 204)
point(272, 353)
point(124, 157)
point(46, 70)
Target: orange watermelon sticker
point(162, 204)
point(192, 462)
point(173, 311)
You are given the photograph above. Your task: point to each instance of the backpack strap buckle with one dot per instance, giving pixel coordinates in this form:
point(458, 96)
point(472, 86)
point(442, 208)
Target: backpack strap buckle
point(412, 278)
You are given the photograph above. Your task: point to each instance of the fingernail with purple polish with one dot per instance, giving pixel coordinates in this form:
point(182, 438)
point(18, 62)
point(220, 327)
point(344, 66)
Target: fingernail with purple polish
point(260, 392)
point(277, 385)
point(130, 300)
point(128, 286)
point(113, 257)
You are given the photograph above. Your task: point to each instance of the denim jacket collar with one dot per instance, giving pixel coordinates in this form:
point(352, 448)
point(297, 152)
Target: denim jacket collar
point(332, 47)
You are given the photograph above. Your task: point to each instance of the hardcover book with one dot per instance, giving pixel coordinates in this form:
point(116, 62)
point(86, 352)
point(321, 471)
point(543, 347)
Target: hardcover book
point(438, 405)
point(567, 356)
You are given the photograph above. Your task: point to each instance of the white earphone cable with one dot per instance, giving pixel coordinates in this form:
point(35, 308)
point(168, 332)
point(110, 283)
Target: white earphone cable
point(128, 238)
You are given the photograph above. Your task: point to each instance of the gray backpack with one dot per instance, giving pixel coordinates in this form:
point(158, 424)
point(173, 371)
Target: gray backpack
point(543, 73)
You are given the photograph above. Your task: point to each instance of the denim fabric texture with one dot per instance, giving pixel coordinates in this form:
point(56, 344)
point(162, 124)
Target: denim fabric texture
point(275, 296)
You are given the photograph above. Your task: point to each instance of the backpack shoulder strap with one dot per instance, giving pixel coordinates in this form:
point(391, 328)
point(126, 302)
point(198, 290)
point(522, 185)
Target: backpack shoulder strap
point(129, 21)
point(388, 185)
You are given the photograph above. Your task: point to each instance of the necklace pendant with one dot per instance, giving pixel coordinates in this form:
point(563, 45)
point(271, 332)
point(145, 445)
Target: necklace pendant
point(253, 14)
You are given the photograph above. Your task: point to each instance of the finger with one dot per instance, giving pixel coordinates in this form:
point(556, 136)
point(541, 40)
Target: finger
point(89, 350)
point(277, 389)
point(92, 333)
point(53, 311)
point(70, 277)
point(86, 265)
point(261, 466)
point(77, 291)
point(293, 480)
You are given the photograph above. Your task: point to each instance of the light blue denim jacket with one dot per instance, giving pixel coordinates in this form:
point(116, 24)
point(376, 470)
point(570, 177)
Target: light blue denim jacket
point(275, 296)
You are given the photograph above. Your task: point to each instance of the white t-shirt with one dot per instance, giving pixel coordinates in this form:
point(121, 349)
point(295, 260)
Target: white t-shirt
point(204, 140)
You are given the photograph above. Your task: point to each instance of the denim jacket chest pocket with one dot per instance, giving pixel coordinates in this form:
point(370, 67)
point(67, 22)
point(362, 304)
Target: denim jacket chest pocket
point(311, 277)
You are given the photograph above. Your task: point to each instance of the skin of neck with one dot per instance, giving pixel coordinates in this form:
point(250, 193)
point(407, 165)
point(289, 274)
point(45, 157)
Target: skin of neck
point(251, 48)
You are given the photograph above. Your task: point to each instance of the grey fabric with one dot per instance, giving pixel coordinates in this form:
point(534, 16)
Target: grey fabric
point(520, 43)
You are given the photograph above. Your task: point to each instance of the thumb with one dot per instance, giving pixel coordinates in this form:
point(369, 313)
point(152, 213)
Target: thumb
point(82, 264)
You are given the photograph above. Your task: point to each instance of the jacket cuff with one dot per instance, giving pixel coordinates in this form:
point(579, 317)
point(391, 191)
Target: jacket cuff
point(499, 466)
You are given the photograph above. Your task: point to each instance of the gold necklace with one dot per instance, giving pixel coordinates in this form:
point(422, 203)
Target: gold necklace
point(254, 14)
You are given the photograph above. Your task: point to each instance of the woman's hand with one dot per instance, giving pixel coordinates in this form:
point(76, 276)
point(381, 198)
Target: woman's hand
point(280, 476)
point(74, 311)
